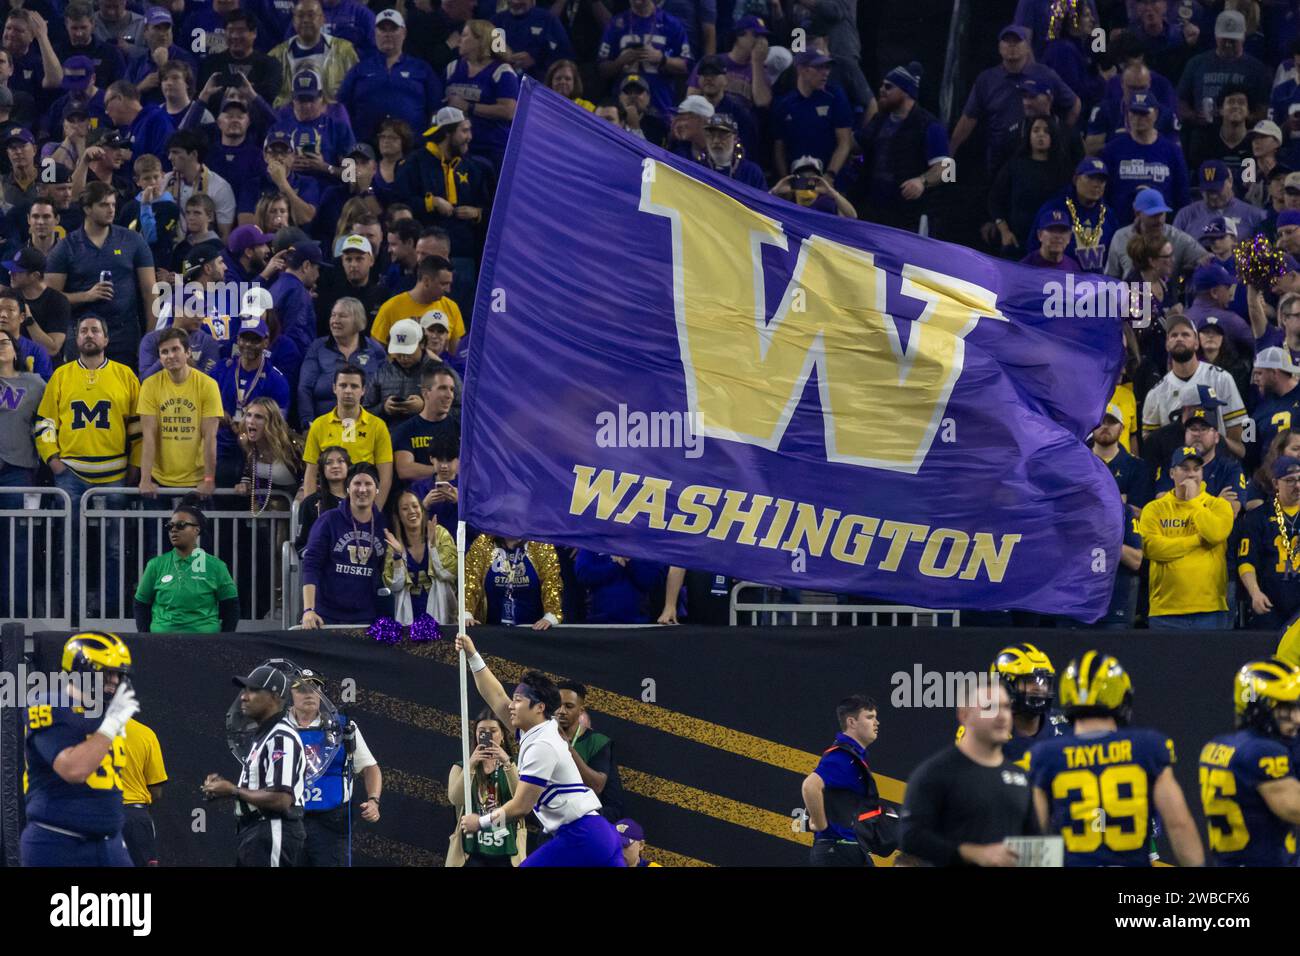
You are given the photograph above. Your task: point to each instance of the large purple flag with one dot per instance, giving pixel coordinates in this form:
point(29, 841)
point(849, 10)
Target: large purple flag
point(668, 365)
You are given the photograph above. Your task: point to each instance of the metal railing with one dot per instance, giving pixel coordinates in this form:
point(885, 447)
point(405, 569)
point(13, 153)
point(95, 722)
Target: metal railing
point(128, 532)
point(830, 614)
point(291, 574)
point(36, 592)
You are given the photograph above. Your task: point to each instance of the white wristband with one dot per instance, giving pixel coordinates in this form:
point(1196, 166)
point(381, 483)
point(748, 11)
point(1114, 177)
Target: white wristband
point(476, 663)
point(485, 822)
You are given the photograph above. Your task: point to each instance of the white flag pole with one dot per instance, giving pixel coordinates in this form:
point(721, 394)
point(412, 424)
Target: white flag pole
point(464, 665)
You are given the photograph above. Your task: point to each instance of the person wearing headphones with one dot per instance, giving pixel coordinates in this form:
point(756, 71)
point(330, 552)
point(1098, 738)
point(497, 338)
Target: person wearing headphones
point(186, 590)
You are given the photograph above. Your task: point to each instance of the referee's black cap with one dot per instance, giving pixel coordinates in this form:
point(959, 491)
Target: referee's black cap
point(264, 678)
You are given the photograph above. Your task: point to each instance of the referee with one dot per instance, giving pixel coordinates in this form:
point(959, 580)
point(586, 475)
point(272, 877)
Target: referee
point(269, 797)
point(965, 800)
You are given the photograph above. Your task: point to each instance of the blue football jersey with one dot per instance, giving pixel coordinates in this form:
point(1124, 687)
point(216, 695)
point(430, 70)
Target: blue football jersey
point(1240, 828)
point(1099, 789)
point(93, 808)
point(1016, 750)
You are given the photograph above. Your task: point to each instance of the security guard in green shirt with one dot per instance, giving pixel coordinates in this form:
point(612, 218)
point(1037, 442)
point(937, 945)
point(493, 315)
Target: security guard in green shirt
point(186, 590)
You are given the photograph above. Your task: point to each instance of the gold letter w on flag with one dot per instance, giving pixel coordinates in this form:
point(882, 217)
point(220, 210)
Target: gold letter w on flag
point(881, 403)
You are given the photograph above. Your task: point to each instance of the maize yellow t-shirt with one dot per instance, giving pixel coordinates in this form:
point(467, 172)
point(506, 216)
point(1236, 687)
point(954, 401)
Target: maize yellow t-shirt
point(180, 410)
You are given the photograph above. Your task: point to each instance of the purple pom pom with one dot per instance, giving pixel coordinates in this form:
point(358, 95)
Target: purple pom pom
point(1259, 263)
point(425, 628)
point(385, 630)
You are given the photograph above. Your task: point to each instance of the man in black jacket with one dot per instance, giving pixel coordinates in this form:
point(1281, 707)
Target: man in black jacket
point(904, 154)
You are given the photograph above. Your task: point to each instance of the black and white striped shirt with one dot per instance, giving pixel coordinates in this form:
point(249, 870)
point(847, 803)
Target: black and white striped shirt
point(276, 762)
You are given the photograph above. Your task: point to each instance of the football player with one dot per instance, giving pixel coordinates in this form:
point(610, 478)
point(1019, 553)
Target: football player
point(1030, 679)
point(1099, 785)
point(1248, 793)
point(74, 762)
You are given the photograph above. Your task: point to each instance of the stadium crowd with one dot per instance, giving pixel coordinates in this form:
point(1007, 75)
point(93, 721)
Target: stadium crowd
point(240, 243)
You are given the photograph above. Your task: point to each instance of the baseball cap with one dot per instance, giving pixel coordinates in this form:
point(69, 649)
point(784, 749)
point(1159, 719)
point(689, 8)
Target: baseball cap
point(807, 162)
point(31, 259)
point(1183, 454)
point(364, 150)
point(356, 243)
point(711, 66)
point(1034, 88)
point(235, 99)
point(1278, 358)
point(1115, 412)
point(1218, 227)
point(307, 675)
point(302, 252)
point(277, 138)
point(243, 238)
point(1092, 166)
point(390, 17)
point(1292, 183)
point(1288, 217)
point(200, 256)
point(1267, 128)
point(630, 831)
point(751, 23)
point(1285, 465)
point(20, 135)
point(254, 325)
point(633, 79)
point(435, 317)
point(1052, 217)
point(406, 337)
point(264, 677)
point(1149, 202)
point(1210, 276)
point(78, 72)
point(1019, 32)
point(1201, 396)
point(448, 116)
point(1171, 322)
point(306, 85)
point(158, 16)
point(1142, 102)
point(257, 302)
point(107, 136)
point(1230, 25)
point(722, 121)
point(812, 58)
point(697, 105)
point(1212, 172)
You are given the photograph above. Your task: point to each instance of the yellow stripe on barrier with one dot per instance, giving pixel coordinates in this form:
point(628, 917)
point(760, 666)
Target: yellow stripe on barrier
point(713, 805)
point(671, 722)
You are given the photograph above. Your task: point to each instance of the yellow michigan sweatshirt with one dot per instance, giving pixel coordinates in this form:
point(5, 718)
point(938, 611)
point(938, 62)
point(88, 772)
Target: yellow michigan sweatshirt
point(1186, 542)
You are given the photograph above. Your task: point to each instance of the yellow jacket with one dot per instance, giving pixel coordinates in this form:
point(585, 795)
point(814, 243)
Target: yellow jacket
point(1187, 543)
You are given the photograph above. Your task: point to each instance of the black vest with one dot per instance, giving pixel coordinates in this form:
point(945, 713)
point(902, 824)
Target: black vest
point(906, 149)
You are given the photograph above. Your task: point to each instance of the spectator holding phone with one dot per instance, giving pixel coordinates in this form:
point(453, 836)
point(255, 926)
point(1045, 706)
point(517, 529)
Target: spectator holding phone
point(493, 781)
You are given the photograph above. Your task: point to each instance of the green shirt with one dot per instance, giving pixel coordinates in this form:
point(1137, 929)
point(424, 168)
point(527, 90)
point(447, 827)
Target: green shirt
point(185, 592)
point(498, 842)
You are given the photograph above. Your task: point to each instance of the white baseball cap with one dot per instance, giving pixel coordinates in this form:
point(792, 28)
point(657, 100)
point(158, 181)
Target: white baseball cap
point(389, 16)
point(1267, 128)
point(257, 302)
point(1278, 358)
point(697, 105)
point(1114, 411)
point(448, 116)
point(406, 337)
point(435, 317)
point(356, 243)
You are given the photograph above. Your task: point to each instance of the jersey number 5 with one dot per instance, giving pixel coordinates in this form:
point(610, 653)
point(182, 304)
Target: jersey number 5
point(107, 775)
point(1224, 822)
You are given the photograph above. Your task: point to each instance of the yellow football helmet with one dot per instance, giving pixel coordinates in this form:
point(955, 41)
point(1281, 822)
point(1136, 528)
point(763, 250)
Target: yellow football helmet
point(1095, 685)
point(96, 651)
point(1258, 688)
point(1023, 668)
